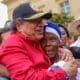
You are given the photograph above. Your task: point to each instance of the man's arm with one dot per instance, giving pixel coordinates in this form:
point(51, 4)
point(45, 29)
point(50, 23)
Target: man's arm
point(22, 68)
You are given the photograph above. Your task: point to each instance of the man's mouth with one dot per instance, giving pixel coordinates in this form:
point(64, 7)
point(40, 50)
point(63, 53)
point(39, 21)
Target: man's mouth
point(40, 32)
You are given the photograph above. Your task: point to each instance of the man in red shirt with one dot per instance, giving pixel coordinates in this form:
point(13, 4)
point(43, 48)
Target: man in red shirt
point(22, 54)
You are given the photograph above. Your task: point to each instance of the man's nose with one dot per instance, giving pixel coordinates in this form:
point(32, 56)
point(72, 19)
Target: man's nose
point(47, 43)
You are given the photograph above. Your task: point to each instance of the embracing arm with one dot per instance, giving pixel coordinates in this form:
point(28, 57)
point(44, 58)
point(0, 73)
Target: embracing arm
point(22, 68)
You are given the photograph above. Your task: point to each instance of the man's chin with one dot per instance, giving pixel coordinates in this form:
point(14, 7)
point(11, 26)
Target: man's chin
point(39, 37)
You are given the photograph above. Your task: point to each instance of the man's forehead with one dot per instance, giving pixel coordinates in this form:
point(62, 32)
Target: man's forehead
point(36, 20)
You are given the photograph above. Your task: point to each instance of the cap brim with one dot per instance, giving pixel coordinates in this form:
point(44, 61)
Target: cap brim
point(39, 15)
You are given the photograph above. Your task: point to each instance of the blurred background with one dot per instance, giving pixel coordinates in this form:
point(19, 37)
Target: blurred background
point(66, 12)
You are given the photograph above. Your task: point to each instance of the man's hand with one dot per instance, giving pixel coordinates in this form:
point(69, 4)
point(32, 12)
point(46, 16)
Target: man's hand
point(71, 68)
point(65, 54)
point(4, 72)
point(78, 62)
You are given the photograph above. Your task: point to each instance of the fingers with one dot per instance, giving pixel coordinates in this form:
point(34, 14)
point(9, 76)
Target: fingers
point(71, 68)
point(66, 55)
point(67, 58)
point(63, 53)
point(4, 71)
point(78, 63)
point(73, 63)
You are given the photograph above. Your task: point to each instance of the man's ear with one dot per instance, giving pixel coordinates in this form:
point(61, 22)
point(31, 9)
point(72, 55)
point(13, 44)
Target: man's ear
point(17, 25)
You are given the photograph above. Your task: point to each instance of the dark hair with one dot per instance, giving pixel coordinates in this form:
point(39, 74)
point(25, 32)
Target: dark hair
point(12, 25)
point(78, 26)
point(7, 27)
point(75, 51)
point(66, 30)
point(14, 29)
point(0, 39)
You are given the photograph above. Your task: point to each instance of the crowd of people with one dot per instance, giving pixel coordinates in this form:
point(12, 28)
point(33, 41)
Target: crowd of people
point(32, 48)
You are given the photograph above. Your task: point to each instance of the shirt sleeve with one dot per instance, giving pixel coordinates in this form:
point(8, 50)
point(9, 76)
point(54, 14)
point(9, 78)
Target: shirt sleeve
point(22, 68)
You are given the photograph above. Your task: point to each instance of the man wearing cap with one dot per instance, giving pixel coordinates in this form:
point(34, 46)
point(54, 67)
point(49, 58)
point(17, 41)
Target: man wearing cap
point(22, 54)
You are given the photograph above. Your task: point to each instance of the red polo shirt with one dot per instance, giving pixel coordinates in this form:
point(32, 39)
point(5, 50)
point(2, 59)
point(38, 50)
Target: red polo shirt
point(25, 62)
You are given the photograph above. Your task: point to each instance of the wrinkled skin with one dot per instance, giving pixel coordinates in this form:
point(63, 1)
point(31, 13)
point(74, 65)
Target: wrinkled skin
point(32, 28)
point(50, 44)
point(65, 54)
point(71, 68)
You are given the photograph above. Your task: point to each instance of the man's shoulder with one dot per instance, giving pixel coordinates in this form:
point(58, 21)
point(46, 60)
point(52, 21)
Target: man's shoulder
point(13, 39)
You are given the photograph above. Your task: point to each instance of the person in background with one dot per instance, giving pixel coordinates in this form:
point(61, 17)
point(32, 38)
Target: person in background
point(64, 36)
point(78, 28)
point(65, 54)
point(50, 45)
point(71, 38)
point(75, 47)
point(4, 33)
point(22, 53)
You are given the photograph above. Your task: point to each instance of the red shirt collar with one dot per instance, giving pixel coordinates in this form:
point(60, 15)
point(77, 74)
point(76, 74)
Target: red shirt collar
point(26, 38)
